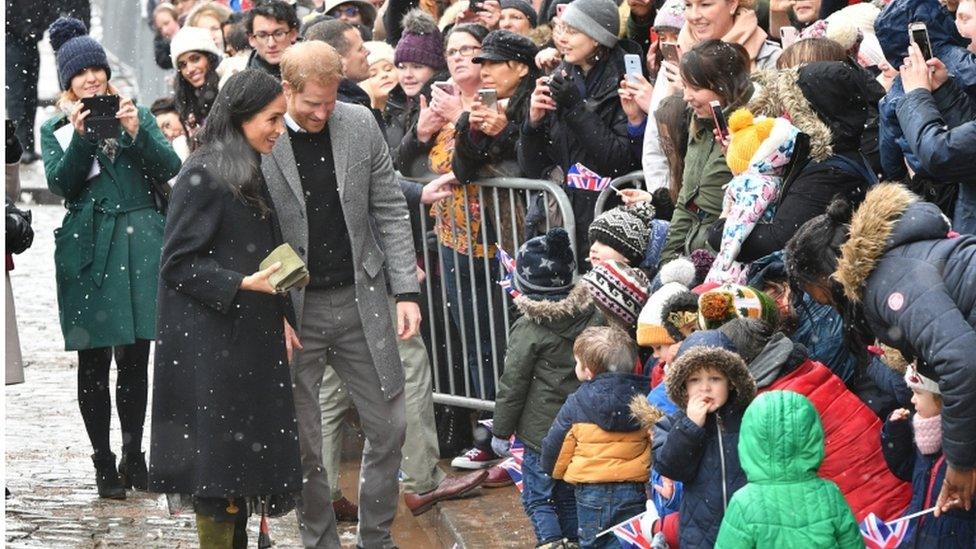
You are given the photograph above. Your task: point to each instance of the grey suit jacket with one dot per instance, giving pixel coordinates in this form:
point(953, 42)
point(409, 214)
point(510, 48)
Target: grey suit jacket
point(377, 220)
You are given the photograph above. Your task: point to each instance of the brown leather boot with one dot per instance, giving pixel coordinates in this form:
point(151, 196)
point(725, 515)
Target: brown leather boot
point(345, 510)
point(449, 488)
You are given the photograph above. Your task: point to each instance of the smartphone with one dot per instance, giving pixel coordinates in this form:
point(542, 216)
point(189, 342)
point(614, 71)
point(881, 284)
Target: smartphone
point(445, 87)
point(719, 118)
point(670, 52)
point(477, 5)
point(788, 36)
point(652, 35)
point(919, 34)
point(560, 9)
point(101, 122)
point(488, 98)
point(632, 66)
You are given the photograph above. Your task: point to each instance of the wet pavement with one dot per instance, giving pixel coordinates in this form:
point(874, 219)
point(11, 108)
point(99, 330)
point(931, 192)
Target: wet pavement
point(48, 464)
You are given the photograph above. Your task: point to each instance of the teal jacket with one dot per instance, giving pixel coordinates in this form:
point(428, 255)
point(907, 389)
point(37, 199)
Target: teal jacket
point(106, 252)
point(785, 503)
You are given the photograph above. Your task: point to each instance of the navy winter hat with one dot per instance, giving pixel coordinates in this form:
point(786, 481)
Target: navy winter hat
point(75, 50)
point(545, 266)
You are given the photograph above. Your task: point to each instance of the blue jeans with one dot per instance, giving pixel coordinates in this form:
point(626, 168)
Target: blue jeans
point(550, 503)
point(459, 277)
point(600, 506)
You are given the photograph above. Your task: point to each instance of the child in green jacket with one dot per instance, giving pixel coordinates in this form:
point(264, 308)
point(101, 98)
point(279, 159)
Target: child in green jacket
point(785, 503)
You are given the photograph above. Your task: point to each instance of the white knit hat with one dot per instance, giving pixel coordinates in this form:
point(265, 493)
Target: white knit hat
point(918, 382)
point(192, 39)
point(378, 51)
point(676, 277)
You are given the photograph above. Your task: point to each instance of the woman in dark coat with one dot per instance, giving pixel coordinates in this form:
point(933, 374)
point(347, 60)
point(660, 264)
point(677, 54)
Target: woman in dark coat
point(106, 251)
point(897, 273)
point(576, 117)
point(223, 423)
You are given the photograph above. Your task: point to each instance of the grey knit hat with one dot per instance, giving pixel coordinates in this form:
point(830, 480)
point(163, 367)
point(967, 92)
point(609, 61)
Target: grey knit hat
point(598, 19)
point(524, 7)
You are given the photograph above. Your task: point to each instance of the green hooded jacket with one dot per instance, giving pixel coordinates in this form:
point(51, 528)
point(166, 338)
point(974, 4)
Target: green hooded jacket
point(785, 503)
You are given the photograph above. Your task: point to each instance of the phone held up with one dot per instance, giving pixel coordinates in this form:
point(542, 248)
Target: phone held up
point(918, 33)
point(101, 122)
point(719, 118)
point(670, 52)
point(788, 36)
point(445, 87)
point(488, 98)
point(632, 66)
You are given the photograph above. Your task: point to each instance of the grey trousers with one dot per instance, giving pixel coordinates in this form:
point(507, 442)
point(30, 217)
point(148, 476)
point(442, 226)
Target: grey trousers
point(420, 453)
point(332, 336)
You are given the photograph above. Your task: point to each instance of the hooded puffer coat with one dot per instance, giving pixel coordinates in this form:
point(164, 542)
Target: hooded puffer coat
point(594, 438)
point(785, 504)
point(539, 365)
point(703, 458)
point(826, 161)
point(917, 288)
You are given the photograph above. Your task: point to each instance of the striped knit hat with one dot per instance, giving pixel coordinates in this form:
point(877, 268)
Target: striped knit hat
point(619, 291)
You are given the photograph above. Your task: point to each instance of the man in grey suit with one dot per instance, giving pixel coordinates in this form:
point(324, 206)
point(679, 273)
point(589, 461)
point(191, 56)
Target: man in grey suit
point(332, 183)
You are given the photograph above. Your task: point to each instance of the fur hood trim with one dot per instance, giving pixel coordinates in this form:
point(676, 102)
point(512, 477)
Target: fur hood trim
point(644, 412)
point(871, 227)
point(779, 94)
point(541, 310)
point(727, 362)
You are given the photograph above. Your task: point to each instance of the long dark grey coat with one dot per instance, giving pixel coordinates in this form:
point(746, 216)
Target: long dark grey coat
point(223, 420)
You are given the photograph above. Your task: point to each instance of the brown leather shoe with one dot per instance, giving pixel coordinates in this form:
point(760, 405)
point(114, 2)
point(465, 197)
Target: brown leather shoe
point(449, 488)
point(497, 478)
point(345, 510)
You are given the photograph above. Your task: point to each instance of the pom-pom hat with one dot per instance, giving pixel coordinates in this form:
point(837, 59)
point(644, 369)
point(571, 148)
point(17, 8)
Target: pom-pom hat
point(618, 290)
point(544, 266)
point(722, 304)
point(626, 229)
point(676, 276)
point(75, 51)
point(421, 41)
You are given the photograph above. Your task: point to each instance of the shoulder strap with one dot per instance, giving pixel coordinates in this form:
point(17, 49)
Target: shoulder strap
point(852, 167)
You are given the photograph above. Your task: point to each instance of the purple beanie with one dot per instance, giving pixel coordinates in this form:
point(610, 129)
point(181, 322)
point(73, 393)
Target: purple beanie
point(421, 41)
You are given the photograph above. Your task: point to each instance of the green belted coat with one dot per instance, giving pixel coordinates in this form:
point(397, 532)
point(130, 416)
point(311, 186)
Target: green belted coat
point(108, 246)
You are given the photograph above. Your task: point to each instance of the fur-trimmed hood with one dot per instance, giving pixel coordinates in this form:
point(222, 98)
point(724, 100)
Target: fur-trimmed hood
point(880, 224)
point(541, 310)
point(644, 412)
point(778, 93)
point(742, 388)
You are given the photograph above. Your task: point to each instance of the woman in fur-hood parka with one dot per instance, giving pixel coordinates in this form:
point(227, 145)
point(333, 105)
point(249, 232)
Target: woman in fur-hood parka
point(828, 102)
point(897, 273)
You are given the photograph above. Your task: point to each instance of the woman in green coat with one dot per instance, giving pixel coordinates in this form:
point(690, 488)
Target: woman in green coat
point(785, 503)
point(106, 250)
point(712, 71)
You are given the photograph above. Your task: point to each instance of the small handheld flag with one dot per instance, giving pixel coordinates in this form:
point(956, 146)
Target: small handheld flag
point(508, 283)
point(581, 177)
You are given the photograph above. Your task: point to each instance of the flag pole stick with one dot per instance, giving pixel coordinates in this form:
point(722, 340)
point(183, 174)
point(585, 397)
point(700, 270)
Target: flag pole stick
point(608, 530)
point(913, 515)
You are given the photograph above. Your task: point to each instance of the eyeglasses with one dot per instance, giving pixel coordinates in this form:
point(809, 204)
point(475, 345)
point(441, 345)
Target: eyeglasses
point(348, 11)
point(278, 35)
point(465, 51)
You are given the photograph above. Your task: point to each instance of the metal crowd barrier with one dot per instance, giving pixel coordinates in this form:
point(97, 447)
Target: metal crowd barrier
point(485, 330)
point(633, 180)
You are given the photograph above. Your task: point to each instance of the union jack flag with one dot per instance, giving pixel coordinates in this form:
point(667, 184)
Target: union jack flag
point(508, 283)
point(513, 465)
point(879, 534)
point(581, 177)
point(631, 533)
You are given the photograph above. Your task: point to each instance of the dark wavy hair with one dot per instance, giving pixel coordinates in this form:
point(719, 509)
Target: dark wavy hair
point(236, 163)
point(719, 66)
point(811, 258)
point(518, 104)
point(197, 101)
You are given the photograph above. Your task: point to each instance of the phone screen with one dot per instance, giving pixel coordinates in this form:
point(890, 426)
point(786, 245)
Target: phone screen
point(719, 118)
point(920, 36)
point(445, 87)
point(670, 52)
point(101, 122)
point(632, 66)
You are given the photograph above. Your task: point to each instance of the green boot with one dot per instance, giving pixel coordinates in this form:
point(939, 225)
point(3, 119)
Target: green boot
point(213, 534)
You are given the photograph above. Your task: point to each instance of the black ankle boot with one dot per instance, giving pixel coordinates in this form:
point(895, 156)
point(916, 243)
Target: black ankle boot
point(107, 477)
point(133, 472)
